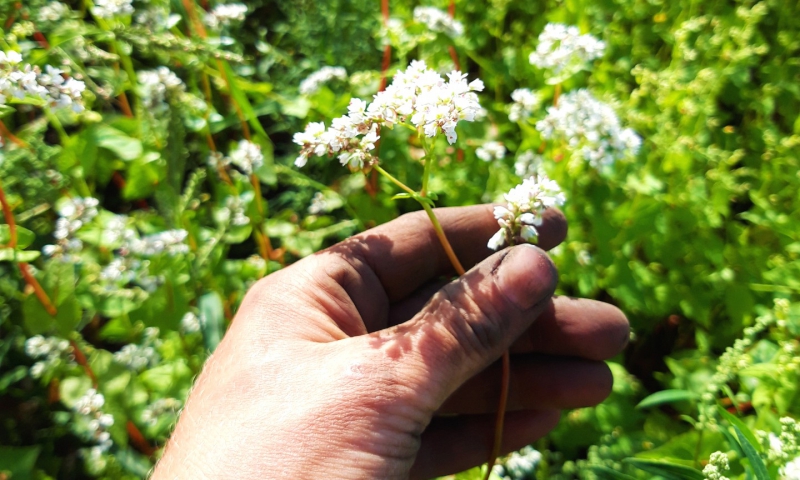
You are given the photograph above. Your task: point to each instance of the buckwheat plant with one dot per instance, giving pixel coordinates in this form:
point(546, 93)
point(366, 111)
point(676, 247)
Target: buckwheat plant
point(418, 99)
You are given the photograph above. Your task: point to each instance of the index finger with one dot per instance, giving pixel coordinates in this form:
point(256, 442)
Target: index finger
point(405, 253)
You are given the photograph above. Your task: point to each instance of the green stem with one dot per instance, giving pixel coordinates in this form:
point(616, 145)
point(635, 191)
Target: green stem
point(437, 227)
point(428, 167)
point(397, 182)
point(448, 249)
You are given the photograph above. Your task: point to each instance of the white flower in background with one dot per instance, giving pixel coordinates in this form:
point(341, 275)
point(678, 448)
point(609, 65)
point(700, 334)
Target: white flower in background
point(53, 12)
point(525, 102)
point(525, 205)
point(233, 212)
point(26, 81)
point(791, 471)
point(519, 465)
point(52, 352)
point(74, 213)
point(438, 21)
point(156, 85)
point(89, 408)
point(563, 47)
point(159, 408)
point(529, 163)
point(190, 323)
point(171, 242)
point(224, 15)
point(418, 94)
point(313, 82)
point(717, 464)
point(318, 204)
point(112, 8)
point(491, 151)
point(138, 357)
point(247, 156)
point(589, 126)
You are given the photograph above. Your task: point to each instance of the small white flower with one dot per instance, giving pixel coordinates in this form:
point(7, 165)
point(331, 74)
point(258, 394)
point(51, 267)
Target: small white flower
point(562, 47)
point(112, 8)
point(313, 82)
point(156, 85)
point(224, 15)
point(438, 21)
point(491, 151)
point(589, 126)
point(525, 205)
point(190, 323)
point(247, 156)
point(525, 102)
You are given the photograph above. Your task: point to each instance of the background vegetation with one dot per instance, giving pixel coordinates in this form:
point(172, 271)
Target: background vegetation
point(696, 237)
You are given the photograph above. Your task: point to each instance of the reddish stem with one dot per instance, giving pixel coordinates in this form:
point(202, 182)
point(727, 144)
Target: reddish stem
point(138, 440)
point(41, 295)
point(80, 359)
point(501, 414)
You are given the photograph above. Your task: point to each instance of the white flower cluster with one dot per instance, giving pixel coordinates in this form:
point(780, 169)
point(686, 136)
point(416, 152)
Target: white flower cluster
point(590, 126)
point(73, 213)
point(438, 21)
point(418, 94)
point(519, 465)
point(157, 409)
point(53, 12)
point(562, 47)
point(52, 350)
point(318, 204)
point(112, 8)
point(224, 15)
point(171, 242)
point(491, 151)
point(247, 156)
point(190, 323)
point(717, 464)
point(138, 357)
point(233, 211)
point(313, 82)
point(529, 163)
point(155, 85)
point(26, 81)
point(784, 449)
point(525, 102)
point(89, 408)
point(523, 212)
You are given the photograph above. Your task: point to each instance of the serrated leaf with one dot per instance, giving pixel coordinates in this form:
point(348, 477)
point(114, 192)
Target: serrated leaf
point(666, 396)
point(669, 471)
point(756, 463)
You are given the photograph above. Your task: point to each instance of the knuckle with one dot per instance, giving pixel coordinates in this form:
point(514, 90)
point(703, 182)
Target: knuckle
point(477, 325)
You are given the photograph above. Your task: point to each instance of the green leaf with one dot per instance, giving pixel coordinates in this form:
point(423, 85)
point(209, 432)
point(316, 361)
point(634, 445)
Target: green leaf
point(19, 462)
point(738, 423)
point(212, 319)
point(125, 147)
point(669, 471)
point(24, 236)
point(12, 377)
point(401, 196)
point(11, 255)
point(756, 463)
point(666, 396)
point(605, 472)
point(72, 388)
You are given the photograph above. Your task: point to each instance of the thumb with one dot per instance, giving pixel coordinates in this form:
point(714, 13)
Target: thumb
point(470, 322)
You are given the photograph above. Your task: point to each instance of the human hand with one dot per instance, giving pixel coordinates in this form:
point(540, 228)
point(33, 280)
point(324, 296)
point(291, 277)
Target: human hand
point(345, 364)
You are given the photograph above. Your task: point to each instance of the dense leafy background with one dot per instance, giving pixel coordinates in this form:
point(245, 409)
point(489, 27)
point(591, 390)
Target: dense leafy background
point(696, 237)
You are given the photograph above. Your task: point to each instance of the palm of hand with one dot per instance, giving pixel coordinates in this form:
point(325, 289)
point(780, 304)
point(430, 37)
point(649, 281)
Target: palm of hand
point(349, 363)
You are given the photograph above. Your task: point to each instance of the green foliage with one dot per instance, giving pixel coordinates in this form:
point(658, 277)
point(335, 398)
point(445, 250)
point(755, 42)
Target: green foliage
point(696, 238)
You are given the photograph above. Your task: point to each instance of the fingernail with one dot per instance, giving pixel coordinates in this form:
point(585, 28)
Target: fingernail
point(526, 275)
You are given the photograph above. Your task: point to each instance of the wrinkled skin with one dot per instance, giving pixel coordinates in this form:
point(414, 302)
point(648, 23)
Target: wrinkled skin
point(365, 361)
